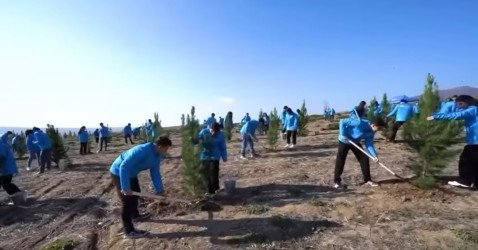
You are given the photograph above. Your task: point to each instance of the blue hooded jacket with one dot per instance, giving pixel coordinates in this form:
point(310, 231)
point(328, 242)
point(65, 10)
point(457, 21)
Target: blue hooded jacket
point(213, 147)
point(377, 110)
point(96, 133)
point(332, 111)
point(353, 113)
point(42, 140)
point(30, 145)
point(136, 159)
point(246, 119)
point(221, 120)
point(137, 130)
point(470, 115)
point(210, 121)
point(127, 130)
point(250, 127)
point(4, 138)
point(83, 136)
point(448, 107)
point(104, 132)
point(402, 112)
point(291, 122)
point(8, 165)
point(356, 130)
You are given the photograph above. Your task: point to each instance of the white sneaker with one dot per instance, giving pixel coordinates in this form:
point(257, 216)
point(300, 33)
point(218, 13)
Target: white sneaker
point(372, 184)
point(243, 158)
point(287, 146)
point(28, 169)
point(457, 184)
point(292, 146)
point(340, 186)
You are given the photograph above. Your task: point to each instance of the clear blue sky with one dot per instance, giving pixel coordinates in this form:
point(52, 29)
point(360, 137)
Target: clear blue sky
point(73, 63)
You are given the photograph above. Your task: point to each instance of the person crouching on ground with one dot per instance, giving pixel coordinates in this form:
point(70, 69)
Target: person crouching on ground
point(213, 143)
point(248, 132)
point(124, 171)
point(466, 109)
point(355, 130)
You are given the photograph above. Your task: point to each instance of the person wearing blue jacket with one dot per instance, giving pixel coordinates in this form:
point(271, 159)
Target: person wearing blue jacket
point(467, 110)
point(246, 118)
point(376, 109)
point(8, 167)
point(448, 106)
point(124, 174)
point(210, 120)
point(356, 130)
point(358, 112)
point(96, 133)
point(221, 123)
point(136, 132)
point(4, 137)
point(43, 141)
point(104, 134)
point(331, 113)
point(267, 122)
point(127, 131)
point(83, 138)
point(248, 132)
point(213, 143)
point(291, 125)
point(402, 112)
point(33, 149)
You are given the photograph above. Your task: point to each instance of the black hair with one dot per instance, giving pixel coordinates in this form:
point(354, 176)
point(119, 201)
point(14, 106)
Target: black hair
point(35, 129)
point(404, 100)
point(213, 114)
point(289, 110)
point(9, 132)
point(467, 99)
point(28, 131)
point(101, 124)
point(215, 126)
point(285, 107)
point(379, 122)
point(163, 141)
point(298, 111)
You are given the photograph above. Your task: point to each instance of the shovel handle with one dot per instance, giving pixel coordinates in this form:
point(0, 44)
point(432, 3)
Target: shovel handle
point(158, 197)
point(371, 157)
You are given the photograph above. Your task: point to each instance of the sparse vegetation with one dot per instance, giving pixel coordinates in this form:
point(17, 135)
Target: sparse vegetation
point(466, 235)
point(303, 120)
point(257, 209)
point(317, 202)
point(58, 150)
point(273, 135)
point(60, 244)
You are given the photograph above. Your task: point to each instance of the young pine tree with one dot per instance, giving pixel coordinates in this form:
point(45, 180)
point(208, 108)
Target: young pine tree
point(370, 111)
point(228, 125)
point(273, 135)
point(431, 140)
point(183, 121)
point(20, 147)
point(157, 129)
point(58, 150)
point(386, 108)
point(65, 135)
point(303, 120)
point(191, 167)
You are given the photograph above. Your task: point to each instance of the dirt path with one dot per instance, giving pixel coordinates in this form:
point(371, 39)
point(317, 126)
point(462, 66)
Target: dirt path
point(284, 201)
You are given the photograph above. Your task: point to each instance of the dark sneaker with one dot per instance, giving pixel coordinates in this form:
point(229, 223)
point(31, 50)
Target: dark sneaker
point(136, 234)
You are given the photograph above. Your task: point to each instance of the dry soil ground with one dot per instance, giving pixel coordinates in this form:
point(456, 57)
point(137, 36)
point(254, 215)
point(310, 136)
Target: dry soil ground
point(284, 201)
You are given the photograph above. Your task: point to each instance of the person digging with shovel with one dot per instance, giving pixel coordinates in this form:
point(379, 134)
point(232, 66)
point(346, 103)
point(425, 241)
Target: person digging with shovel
point(248, 132)
point(124, 171)
point(466, 109)
point(353, 129)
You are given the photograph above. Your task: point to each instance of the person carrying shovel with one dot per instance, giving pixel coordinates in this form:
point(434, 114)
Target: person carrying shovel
point(351, 132)
point(124, 171)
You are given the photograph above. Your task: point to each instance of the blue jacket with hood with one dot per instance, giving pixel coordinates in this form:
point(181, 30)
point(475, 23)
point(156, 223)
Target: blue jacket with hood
point(213, 146)
point(470, 115)
point(8, 165)
point(250, 127)
point(356, 130)
point(402, 112)
point(42, 140)
point(135, 160)
point(291, 122)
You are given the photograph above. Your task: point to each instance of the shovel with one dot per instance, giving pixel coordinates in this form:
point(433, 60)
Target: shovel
point(371, 157)
point(158, 197)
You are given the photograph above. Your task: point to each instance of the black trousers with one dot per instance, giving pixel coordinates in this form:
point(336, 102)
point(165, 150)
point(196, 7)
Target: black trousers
point(6, 183)
point(45, 160)
point(126, 139)
point(129, 203)
point(342, 156)
point(97, 139)
point(395, 128)
point(293, 134)
point(83, 148)
point(211, 175)
point(468, 165)
point(103, 140)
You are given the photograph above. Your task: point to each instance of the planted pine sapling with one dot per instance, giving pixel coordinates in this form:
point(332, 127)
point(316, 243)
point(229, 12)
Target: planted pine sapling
point(303, 120)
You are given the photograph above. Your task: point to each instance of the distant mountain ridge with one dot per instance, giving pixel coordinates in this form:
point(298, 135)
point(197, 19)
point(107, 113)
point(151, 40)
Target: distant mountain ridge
point(462, 90)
